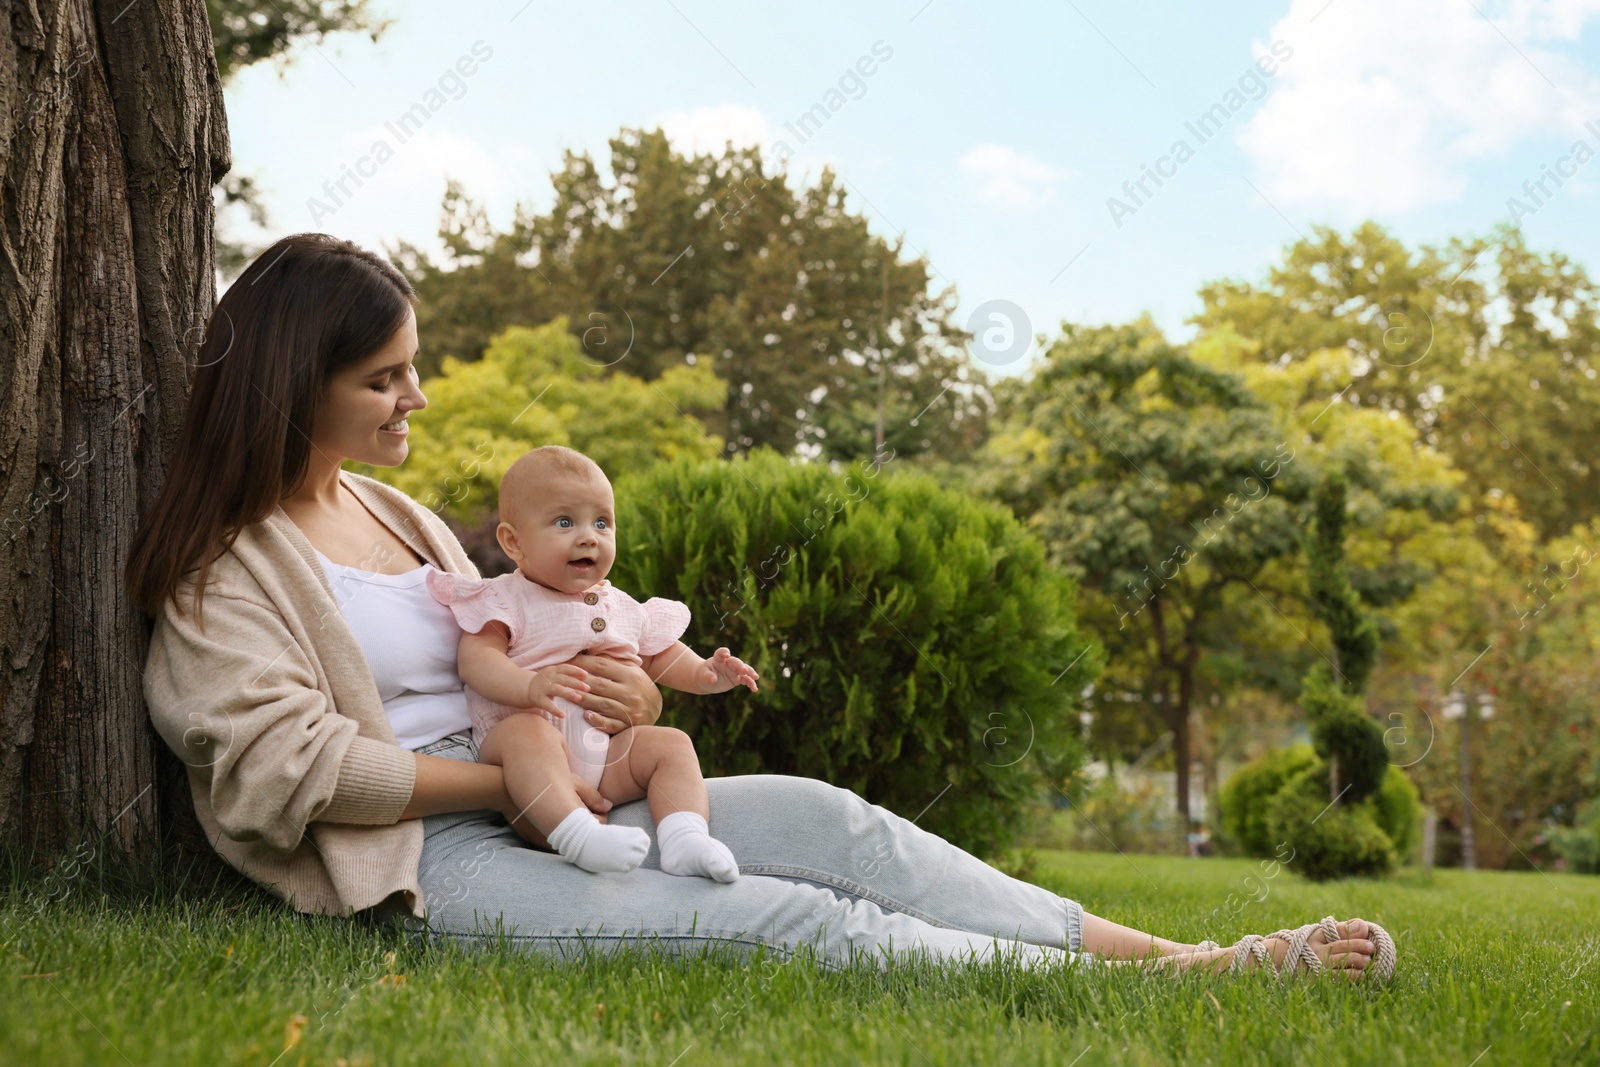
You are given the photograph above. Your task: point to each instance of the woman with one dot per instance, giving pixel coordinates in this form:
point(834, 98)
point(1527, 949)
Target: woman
point(313, 692)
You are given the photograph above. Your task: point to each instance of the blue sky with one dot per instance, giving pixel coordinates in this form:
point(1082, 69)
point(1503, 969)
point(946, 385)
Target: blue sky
point(992, 136)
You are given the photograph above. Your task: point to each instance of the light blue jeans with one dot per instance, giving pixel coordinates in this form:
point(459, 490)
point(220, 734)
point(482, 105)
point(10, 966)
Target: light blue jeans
point(818, 866)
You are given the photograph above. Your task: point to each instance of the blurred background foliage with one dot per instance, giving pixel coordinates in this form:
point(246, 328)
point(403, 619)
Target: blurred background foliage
point(677, 308)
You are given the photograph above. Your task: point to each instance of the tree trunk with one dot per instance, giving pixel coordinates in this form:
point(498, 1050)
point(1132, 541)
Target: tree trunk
point(1181, 746)
point(1178, 719)
point(112, 134)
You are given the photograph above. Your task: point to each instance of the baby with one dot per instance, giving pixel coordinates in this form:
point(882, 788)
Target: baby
point(558, 523)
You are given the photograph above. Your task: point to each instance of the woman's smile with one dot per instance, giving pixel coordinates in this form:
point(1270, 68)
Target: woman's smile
point(398, 428)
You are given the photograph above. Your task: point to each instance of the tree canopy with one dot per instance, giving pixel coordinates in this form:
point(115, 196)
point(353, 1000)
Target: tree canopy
point(1490, 349)
point(827, 338)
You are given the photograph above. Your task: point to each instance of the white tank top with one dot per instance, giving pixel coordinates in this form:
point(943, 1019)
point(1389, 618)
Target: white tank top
point(410, 642)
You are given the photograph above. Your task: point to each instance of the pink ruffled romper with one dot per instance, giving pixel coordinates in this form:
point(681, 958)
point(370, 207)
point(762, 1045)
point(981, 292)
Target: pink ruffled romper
point(548, 627)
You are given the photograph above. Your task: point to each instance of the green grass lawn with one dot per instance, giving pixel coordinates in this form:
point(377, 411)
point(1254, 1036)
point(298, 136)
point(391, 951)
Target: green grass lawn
point(1495, 968)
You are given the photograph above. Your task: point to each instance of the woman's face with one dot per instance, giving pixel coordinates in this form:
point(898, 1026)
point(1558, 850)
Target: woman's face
point(364, 398)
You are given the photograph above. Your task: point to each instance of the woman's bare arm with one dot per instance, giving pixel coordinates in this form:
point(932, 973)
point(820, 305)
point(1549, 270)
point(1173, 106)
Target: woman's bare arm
point(446, 785)
point(456, 785)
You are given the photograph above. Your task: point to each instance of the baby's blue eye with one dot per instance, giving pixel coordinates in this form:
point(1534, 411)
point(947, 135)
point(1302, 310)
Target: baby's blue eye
point(601, 524)
point(564, 522)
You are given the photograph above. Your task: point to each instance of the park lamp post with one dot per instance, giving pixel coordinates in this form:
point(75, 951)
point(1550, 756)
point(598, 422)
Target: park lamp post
point(1457, 707)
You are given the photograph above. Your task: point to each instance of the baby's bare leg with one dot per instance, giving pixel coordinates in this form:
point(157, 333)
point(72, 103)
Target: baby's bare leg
point(533, 756)
point(659, 762)
point(531, 752)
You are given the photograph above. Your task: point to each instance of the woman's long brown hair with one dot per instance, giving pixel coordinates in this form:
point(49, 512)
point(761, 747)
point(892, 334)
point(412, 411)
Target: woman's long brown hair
point(305, 309)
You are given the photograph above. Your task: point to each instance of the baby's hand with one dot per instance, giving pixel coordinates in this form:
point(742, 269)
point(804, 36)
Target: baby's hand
point(560, 680)
point(724, 670)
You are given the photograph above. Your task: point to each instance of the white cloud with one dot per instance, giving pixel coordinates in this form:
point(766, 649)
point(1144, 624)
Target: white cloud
point(404, 181)
point(707, 130)
point(1384, 106)
point(435, 154)
point(1011, 177)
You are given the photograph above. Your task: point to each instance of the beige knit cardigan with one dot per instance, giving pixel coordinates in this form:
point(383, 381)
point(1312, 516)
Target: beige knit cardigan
point(295, 771)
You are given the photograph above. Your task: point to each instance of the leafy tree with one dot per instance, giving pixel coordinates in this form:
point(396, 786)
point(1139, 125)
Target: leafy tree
point(116, 135)
point(1524, 624)
point(1159, 483)
point(534, 387)
point(1491, 350)
point(243, 32)
point(914, 643)
point(1255, 639)
point(829, 341)
point(1409, 541)
point(488, 281)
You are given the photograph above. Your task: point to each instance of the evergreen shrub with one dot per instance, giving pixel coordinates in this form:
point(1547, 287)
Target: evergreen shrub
point(1342, 808)
point(1329, 840)
point(1580, 844)
point(1244, 803)
point(913, 642)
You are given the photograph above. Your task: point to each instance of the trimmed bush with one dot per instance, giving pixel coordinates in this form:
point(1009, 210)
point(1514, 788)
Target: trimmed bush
point(914, 644)
point(1329, 840)
point(1326, 812)
point(1246, 808)
point(1579, 845)
point(1344, 734)
point(1340, 805)
point(1242, 803)
point(1398, 811)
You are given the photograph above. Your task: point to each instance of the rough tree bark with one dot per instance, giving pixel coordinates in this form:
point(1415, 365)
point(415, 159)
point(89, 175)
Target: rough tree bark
point(112, 133)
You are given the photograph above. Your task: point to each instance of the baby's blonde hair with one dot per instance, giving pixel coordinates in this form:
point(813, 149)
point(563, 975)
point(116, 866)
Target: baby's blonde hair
point(522, 479)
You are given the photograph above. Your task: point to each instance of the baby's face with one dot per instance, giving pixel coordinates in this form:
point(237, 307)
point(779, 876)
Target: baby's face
point(564, 538)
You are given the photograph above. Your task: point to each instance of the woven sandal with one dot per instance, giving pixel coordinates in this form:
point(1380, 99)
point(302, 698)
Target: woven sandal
point(1301, 955)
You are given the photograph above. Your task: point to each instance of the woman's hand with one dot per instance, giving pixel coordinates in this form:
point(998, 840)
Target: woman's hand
point(591, 797)
point(620, 694)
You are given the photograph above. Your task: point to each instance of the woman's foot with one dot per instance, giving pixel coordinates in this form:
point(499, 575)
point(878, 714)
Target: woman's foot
point(1355, 949)
point(1348, 955)
point(1345, 948)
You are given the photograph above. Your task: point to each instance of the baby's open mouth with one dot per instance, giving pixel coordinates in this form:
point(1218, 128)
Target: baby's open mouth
point(582, 562)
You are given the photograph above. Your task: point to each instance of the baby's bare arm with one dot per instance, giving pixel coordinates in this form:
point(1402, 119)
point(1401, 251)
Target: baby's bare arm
point(680, 667)
point(482, 662)
point(676, 667)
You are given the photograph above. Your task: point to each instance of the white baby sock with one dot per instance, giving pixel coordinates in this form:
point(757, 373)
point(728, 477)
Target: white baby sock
point(584, 841)
point(687, 847)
